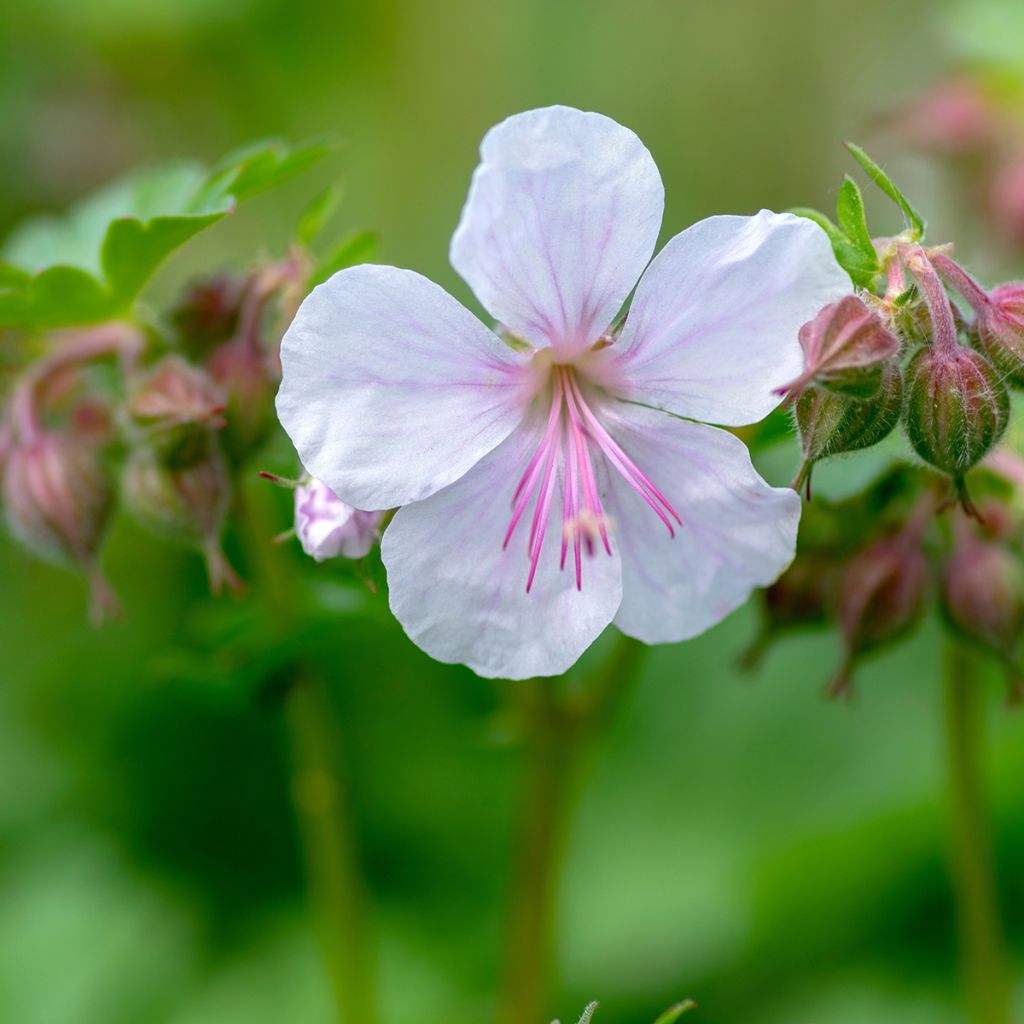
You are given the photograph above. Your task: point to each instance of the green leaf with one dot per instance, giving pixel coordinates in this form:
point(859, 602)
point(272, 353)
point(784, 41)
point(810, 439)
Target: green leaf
point(262, 165)
point(358, 247)
point(888, 186)
point(853, 220)
point(315, 217)
point(91, 263)
point(849, 255)
point(673, 1013)
point(823, 222)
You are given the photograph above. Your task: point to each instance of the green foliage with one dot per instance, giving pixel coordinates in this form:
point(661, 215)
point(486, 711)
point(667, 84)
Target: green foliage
point(91, 263)
point(673, 1013)
point(357, 247)
point(888, 186)
point(853, 251)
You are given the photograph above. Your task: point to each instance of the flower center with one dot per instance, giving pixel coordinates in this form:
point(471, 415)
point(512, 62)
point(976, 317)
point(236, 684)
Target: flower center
point(573, 438)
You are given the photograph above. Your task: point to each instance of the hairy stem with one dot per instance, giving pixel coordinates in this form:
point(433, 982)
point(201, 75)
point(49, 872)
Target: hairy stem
point(982, 945)
point(559, 733)
point(936, 299)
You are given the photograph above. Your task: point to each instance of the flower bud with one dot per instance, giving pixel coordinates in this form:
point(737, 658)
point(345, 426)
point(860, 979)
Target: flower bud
point(844, 348)
point(799, 598)
point(207, 314)
point(187, 504)
point(1000, 330)
point(983, 595)
point(328, 528)
point(177, 406)
point(830, 424)
point(956, 408)
point(241, 370)
point(881, 598)
point(58, 497)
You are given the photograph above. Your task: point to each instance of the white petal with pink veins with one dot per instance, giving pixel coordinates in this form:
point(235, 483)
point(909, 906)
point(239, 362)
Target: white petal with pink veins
point(562, 217)
point(712, 330)
point(462, 598)
point(737, 534)
point(392, 389)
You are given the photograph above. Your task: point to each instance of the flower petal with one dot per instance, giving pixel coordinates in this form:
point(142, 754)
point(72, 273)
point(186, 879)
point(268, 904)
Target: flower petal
point(392, 389)
point(712, 330)
point(562, 217)
point(738, 533)
point(462, 598)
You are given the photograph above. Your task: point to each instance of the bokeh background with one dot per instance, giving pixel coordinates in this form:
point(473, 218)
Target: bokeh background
point(736, 839)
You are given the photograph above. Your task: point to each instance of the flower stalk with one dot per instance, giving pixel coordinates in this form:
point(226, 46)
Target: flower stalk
point(982, 943)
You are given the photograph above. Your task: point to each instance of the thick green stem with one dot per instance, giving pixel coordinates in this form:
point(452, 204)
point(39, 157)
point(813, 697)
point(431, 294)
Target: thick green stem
point(319, 794)
point(982, 945)
point(559, 731)
point(530, 935)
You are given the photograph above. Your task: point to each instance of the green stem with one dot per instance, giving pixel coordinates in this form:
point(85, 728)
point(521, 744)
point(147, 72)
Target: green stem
point(319, 795)
point(982, 945)
point(319, 790)
point(559, 732)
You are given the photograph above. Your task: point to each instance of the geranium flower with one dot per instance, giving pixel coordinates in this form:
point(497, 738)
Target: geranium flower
point(327, 527)
point(552, 475)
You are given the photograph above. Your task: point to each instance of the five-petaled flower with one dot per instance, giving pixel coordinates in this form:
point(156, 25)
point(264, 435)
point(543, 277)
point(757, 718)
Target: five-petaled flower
point(557, 475)
point(327, 527)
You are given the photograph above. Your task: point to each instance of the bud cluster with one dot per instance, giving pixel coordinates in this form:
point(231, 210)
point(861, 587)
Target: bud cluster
point(161, 419)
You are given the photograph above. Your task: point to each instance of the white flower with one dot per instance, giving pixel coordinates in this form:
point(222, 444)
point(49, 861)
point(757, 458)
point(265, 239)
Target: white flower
point(558, 483)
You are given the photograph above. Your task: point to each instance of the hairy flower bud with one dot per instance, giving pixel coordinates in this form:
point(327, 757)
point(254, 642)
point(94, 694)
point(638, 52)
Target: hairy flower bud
point(844, 348)
point(956, 408)
point(983, 596)
point(1000, 330)
point(176, 406)
point(58, 497)
point(830, 424)
point(881, 599)
point(187, 504)
point(328, 528)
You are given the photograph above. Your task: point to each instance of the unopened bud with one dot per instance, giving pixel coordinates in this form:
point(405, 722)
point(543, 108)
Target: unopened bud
point(1000, 330)
point(845, 347)
point(187, 504)
point(59, 498)
point(830, 424)
point(983, 596)
point(242, 372)
point(328, 528)
point(800, 598)
point(207, 314)
point(956, 408)
point(177, 406)
point(881, 599)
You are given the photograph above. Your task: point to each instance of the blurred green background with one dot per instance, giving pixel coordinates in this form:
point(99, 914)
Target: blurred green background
point(737, 840)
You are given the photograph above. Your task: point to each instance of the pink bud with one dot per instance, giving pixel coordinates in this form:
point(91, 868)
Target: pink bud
point(844, 348)
point(59, 500)
point(241, 370)
point(207, 314)
point(174, 392)
point(1000, 328)
point(328, 528)
point(881, 599)
point(983, 594)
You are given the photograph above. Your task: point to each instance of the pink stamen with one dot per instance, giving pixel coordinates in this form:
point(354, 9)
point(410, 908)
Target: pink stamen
point(571, 428)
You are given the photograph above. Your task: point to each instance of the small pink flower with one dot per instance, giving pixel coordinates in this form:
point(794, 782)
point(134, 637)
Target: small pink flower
point(553, 477)
point(328, 528)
